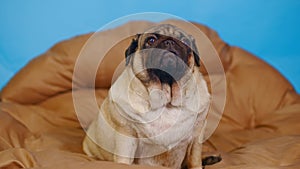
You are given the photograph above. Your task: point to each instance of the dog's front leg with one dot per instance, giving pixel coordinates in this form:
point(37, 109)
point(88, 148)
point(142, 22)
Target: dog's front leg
point(194, 160)
point(125, 148)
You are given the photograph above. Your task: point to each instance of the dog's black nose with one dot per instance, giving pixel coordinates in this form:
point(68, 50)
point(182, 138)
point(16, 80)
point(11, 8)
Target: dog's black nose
point(169, 43)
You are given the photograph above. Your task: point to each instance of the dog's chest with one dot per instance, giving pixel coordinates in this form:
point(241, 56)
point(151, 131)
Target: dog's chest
point(170, 127)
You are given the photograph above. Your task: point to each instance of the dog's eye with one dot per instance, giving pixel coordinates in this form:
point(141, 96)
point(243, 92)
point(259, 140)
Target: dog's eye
point(151, 41)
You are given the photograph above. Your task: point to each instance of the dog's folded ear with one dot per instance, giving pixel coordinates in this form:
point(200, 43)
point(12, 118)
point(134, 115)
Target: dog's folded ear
point(132, 48)
point(195, 52)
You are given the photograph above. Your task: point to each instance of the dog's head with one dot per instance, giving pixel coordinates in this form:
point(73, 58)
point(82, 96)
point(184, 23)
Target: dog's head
point(163, 53)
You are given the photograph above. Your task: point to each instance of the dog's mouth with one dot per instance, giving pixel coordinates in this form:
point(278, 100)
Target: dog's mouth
point(166, 65)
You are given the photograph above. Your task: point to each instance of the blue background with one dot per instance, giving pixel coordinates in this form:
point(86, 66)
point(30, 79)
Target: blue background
point(269, 29)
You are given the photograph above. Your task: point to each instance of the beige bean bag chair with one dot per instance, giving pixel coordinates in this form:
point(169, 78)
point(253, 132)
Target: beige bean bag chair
point(260, 126)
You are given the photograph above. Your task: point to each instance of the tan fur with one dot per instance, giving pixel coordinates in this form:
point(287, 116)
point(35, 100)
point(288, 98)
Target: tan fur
point(151, 123)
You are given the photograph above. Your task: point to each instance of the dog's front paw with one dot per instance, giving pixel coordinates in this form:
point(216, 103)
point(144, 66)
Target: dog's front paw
point(210, 160)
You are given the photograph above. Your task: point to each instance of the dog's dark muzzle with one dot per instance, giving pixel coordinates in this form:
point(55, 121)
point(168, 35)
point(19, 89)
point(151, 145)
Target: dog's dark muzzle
point(166, 65)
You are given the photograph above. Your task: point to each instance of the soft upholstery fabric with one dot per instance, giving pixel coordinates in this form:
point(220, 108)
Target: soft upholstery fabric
point(39, 127)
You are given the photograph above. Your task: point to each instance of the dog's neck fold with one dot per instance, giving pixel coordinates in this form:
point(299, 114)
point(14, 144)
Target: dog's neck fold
point(141, 98)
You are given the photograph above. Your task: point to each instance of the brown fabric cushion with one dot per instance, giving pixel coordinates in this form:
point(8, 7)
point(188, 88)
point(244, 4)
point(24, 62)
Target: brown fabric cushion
point(276, 152)
point(260, 103)
point(46, 75)
point(64, 105)
point(39, 125)
point(34, 137)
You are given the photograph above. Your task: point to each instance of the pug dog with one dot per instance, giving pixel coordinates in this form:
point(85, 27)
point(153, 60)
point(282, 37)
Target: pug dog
point(155, 112)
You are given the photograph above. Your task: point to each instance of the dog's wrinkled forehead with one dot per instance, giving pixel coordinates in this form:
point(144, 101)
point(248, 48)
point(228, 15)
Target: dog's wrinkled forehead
point(169, 30)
